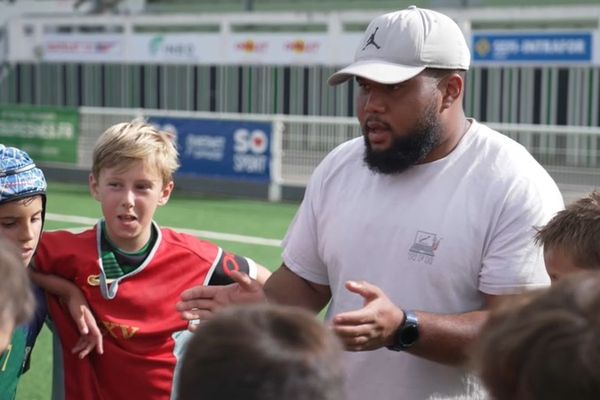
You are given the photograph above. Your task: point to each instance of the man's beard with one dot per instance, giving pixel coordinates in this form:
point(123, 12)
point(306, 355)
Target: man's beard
point(406, 151)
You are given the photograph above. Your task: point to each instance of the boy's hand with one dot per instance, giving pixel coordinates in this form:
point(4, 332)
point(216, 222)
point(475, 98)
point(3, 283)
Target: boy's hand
point(91, 337)
point(78, 307)
point(201, 302)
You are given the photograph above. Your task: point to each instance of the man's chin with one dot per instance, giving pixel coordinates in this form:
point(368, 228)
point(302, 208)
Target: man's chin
point(379, 147)
point(382, 165)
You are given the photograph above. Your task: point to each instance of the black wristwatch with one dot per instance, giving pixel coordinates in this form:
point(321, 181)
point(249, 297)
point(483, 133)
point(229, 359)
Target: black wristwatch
point(407, 334)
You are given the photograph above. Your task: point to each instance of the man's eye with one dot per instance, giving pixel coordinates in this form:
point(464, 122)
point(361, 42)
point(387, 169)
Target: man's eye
point(8, 224)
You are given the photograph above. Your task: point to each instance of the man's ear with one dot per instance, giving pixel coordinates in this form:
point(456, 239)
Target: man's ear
point(93, 185)
point(452, 89)
point(166, 193)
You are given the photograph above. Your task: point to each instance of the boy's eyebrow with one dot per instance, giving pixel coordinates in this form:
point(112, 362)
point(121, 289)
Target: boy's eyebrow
point(20, 216)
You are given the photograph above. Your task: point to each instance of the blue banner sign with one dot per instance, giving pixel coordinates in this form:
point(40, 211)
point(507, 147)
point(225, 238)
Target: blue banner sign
point(221, 149)
point(532, 48)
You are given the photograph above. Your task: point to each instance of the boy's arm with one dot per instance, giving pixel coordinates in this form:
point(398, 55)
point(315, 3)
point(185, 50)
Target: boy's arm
point(78, 308)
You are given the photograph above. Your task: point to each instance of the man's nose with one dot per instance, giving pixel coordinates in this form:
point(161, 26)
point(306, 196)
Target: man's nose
point(375, 102)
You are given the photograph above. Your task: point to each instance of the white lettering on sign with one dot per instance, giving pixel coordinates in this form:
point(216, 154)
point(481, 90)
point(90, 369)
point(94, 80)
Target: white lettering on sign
point(249, 163)
point(246, 141)
point(43, 130)
point(505, 47)
point(249, 148)
point(546, 46)
point(205, 147)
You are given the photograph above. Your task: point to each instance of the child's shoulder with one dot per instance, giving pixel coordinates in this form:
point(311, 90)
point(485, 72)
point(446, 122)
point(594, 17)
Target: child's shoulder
point(186, 242)
point(77, 235)
point(64, 242)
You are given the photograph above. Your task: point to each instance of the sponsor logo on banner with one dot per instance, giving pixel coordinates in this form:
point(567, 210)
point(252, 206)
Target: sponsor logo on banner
point(159, 47)
point(83, 47)
point(302, 46)
point(70, 47)
point(249, 151)
point(251, 46)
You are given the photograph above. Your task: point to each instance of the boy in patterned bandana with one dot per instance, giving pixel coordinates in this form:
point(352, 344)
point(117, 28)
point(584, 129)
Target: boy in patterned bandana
point(22, 210)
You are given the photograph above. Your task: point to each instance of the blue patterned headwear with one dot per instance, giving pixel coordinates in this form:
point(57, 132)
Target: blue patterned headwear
point(19, 177)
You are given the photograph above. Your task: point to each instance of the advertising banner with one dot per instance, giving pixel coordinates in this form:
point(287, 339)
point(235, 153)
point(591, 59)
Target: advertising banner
point(237, 150)
point(542, 48)
point(47, 134)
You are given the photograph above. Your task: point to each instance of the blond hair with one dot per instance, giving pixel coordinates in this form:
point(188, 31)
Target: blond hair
point(123, 144)
point(16, 297)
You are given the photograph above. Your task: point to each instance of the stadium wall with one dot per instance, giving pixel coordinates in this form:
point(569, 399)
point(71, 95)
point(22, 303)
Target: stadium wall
point(278, 63)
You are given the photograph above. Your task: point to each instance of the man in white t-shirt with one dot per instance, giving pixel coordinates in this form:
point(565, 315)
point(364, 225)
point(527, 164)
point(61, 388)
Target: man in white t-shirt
point(412, 230)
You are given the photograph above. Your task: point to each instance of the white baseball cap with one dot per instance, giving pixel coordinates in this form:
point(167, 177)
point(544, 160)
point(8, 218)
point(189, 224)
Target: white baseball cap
point(399, 45)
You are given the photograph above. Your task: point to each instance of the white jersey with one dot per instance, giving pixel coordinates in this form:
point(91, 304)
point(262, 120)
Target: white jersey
point(433, 238)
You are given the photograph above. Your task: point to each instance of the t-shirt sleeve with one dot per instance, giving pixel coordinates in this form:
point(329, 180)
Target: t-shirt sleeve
point(47, 259)
point(226, 262)
point(300, 244)
point(512, 261)
point(42, 261)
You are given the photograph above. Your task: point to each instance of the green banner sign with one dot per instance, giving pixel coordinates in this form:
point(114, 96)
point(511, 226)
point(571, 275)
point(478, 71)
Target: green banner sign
point(46, 133)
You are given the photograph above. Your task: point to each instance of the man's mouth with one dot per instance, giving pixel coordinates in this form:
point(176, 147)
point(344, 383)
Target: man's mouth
point(377, 132)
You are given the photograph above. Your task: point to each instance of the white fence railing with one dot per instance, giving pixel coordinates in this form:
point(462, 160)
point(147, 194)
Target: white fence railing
point(570, 153)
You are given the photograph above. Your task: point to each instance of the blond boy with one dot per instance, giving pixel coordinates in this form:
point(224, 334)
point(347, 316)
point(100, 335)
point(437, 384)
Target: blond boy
point(131, 271)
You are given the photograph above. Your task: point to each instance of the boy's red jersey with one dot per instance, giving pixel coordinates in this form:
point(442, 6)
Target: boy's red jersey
point(143, 333)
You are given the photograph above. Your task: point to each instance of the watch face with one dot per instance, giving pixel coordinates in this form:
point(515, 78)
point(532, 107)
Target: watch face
point(409, 335)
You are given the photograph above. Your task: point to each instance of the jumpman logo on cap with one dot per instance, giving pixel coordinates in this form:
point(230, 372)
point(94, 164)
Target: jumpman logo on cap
point(371, 40)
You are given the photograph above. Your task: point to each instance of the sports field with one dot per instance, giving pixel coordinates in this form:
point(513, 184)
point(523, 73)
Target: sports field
point(255, 229)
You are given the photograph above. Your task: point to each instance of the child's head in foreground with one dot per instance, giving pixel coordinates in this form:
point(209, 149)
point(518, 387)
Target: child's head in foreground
point(544, 345)
point(132, 174)
point(22, 201)
point(16, 298)
point(262, 351)
point(571, 239)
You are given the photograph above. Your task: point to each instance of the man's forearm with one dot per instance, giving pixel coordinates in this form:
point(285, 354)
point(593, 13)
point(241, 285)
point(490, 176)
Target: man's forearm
point(446, 338)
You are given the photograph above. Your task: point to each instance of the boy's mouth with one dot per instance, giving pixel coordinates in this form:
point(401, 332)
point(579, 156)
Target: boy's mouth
point(127, 218)
point(26, 253)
